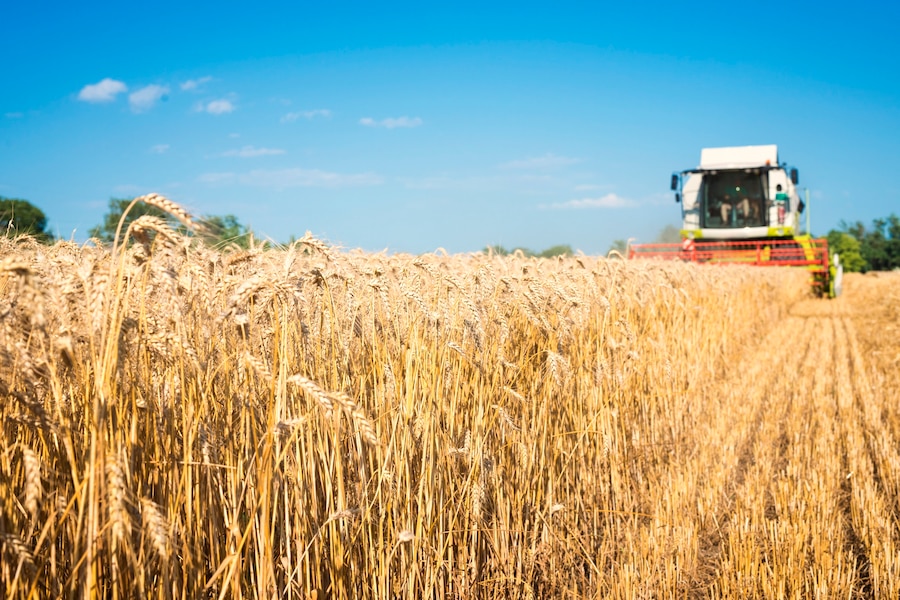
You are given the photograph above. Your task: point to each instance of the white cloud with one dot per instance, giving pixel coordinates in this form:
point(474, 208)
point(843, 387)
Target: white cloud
point(428, 183)
point(607, 201)
point(305, 114)
point(217, 107)
point(456, 183)
point(14, 115)
point(104, 91)
point(216, 178)
point(253, 151)
point(193, 84)
point(294, 177)
point(588, 187)
point(548, 161)
point(159, 148)
point(391, 122)
point(234, 135)
point(144, 98)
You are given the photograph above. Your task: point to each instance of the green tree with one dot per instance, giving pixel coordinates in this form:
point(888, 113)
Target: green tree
point(501, 250)
point(20, 217)
point(875, 247)
point(106, 231)
point(224, 230)
point(558, 250)
point(497, 249)
point(620, 246)
point(218, 230)
point(886, 243)
point(848, 248)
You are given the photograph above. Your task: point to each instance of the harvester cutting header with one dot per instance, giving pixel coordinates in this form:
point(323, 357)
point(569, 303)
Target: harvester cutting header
point(741, 206)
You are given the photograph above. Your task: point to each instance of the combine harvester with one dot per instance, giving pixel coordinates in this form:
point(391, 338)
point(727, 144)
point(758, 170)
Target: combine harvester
point(741, 206)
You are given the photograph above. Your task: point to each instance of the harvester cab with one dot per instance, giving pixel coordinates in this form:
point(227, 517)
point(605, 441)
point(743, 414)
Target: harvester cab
point(739, 194)
point(741, 205)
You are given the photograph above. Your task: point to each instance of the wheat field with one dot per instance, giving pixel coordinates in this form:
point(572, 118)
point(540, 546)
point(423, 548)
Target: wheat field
point(307, 422)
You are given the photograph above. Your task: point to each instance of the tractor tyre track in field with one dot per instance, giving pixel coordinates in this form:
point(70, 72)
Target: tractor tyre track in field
point(808, 391)
point(819, 455)
point(732, 421)
point(870, 454)
point(764, 395)
point(847, 416)
point(759, 504)
point(875, 428)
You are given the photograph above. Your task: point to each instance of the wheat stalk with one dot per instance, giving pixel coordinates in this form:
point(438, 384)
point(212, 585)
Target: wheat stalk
point(117, 499)
point(155, 527)
point(33, 486)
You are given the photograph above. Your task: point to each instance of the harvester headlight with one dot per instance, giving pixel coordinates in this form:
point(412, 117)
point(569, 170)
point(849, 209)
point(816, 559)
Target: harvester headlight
point(779, 231)
point(691, 234)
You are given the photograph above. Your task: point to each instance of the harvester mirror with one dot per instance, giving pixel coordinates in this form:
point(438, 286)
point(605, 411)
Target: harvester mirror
point(674, 182)
point(677, 197)
point(795, 176)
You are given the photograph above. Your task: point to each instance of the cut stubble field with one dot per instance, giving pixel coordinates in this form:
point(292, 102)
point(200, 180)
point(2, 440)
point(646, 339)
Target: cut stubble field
point(305, 422)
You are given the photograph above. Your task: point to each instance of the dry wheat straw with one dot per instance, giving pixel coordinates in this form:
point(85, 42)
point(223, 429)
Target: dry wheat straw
point(503, 427)
point(166, 205)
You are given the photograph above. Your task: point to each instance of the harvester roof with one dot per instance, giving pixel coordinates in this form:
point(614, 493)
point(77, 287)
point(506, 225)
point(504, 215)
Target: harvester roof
point(739, 157)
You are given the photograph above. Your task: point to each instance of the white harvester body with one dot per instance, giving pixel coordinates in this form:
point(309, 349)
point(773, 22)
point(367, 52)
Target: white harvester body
point(739, 193)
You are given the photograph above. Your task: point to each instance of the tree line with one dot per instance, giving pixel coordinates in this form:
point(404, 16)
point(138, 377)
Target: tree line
point(862, 249)
point(552, 251)
point(20, 217)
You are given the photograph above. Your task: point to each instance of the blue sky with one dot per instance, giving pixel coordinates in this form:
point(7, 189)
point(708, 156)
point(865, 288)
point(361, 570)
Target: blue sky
point(406, 127)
